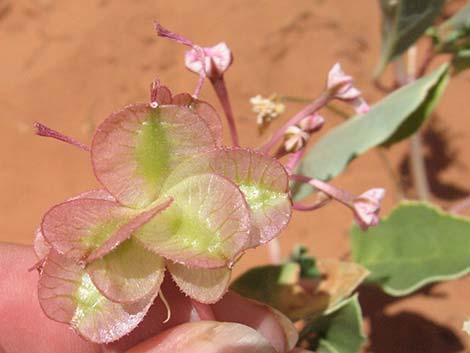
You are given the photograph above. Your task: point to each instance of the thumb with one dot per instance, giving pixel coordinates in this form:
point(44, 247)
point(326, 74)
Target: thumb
point(206, 337)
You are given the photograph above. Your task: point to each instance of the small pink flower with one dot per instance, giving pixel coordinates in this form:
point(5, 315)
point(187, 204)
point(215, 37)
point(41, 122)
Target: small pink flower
point(312, 123)
point(295, 139)
point(366, 208)
point(340, 86)
point(217, 59)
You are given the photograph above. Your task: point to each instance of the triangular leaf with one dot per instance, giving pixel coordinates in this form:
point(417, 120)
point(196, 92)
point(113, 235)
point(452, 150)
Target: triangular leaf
point(262, 179)
point(416, 245)
point(207, 225)
point(135, 149)
point(202, 284)
point(403, 23)
point(337, 332)
point(392, 119)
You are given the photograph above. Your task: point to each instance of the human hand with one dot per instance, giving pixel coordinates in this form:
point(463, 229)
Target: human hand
point(240, 325)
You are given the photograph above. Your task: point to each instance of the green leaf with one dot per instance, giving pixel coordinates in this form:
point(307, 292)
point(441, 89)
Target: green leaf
point(403, 23)
point(394, 118)
point(337, 332)
point(459, 23)
point(453, 36)
point(308, 264)
point(416, 245)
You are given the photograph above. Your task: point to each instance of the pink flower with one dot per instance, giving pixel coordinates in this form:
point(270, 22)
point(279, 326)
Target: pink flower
point(340, 86)
point(367, 206)
point(295, 139)
point(217, 59)
point(312, 123)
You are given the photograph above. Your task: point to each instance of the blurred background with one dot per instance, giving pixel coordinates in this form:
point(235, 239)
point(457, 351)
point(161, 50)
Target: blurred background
point(69, 64)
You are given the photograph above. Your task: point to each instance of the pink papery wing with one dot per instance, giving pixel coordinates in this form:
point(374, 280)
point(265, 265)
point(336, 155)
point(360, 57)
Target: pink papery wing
point(126, 230)
point(161, 95)
point(205, 111)
point(127, 274)
point(67, 294)
point(262, 179)
point(135, 149)
point(78, 227)
point(97, 194)
point(202, 284)
point(206, 226)
point(41, 246)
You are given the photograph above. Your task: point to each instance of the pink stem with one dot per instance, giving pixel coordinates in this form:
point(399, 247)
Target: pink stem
point(313, 107)
point(338, 194)
point(204, 311)
point(166, 33)
point(316, 205)
point(43, 130)
point(221, 90)
point(294, 160)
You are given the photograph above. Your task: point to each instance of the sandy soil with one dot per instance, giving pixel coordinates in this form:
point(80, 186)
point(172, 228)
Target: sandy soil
point(70, 63)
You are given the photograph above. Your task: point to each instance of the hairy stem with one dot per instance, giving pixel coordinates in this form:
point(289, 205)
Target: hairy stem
point(221, 90)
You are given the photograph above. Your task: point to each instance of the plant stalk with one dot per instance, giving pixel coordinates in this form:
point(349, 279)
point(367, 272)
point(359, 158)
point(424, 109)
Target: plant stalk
point(311, 108)
point(221, 90)
point(406, 73)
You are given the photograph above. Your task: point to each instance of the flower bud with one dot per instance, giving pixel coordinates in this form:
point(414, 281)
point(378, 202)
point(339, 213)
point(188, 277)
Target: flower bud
point(340, 86)
point(217, 59)
point(295, 139)
point(312, 123)
point(366, 208)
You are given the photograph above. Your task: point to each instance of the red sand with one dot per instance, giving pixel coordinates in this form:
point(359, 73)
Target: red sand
point(69, 64)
